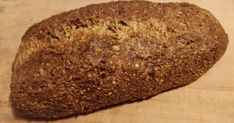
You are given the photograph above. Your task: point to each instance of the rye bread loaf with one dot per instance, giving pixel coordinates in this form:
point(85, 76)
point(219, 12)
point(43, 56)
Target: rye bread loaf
point(105, 54)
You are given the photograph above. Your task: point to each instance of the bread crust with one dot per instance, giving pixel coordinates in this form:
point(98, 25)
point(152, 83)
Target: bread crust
point(105, 54)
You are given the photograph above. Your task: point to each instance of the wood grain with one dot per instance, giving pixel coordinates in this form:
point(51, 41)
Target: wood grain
point(208, 100)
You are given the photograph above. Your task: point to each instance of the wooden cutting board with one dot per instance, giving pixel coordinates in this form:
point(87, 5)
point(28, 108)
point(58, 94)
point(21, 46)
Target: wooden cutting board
point(208, 100)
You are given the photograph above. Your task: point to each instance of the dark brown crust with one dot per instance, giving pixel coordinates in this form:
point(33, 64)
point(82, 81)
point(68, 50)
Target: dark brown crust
point(63, 76)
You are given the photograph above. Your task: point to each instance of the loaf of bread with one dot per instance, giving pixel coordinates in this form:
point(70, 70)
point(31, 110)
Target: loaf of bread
point(110, 53)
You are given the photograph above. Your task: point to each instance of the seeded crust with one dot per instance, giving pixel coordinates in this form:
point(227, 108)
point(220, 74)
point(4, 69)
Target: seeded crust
point(105, 54)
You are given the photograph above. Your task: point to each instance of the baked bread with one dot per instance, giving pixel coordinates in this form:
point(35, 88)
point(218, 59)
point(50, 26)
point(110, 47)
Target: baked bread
point(105, 54)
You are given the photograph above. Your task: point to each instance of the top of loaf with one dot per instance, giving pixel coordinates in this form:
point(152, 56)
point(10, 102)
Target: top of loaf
point(121, 20)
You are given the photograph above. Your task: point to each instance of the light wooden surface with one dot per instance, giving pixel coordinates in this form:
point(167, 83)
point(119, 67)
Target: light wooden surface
point(208, 100)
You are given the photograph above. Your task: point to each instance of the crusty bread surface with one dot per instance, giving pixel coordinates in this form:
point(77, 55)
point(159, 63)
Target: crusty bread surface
point(105, 54)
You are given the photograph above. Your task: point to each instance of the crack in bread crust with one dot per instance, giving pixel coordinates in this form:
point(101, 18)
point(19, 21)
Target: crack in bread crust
point(119, 29)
